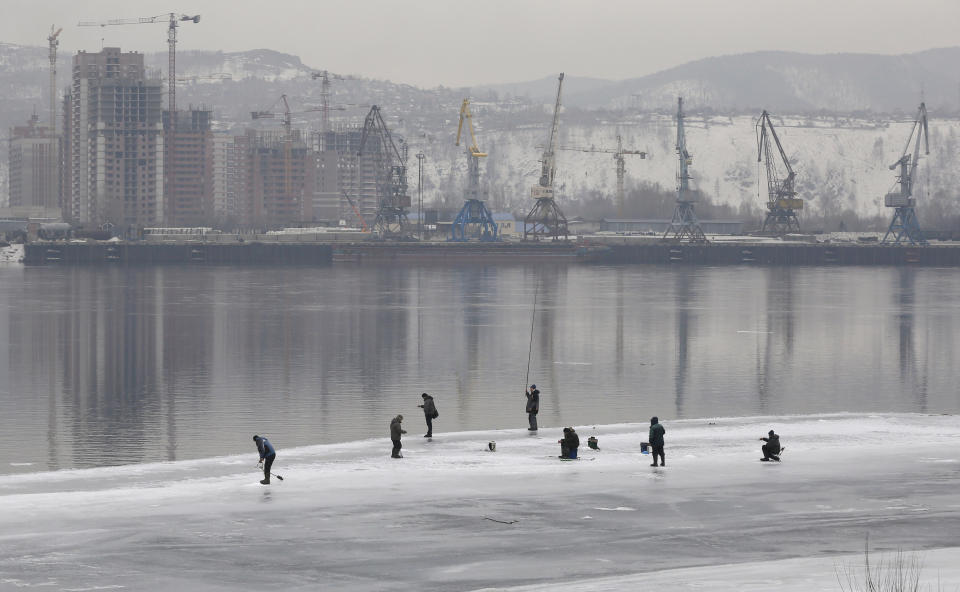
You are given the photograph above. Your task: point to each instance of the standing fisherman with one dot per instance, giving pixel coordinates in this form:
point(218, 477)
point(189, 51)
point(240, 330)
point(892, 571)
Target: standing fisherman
point(267, 456)
point(533, 406)
point(656, 441)
point(430, 413)
point(395, 432)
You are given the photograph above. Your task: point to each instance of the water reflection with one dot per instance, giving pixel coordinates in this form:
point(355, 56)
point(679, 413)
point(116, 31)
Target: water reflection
point(121, 365)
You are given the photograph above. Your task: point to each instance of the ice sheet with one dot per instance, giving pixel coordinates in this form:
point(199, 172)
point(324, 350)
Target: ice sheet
point(453, 516)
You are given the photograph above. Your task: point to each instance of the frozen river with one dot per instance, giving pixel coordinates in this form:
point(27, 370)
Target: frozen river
point(452, 516)
point(114, 366)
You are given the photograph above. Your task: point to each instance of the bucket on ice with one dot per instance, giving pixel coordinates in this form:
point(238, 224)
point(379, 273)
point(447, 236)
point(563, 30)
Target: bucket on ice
point(492, 446)
point(592, 443)
point(644, 447)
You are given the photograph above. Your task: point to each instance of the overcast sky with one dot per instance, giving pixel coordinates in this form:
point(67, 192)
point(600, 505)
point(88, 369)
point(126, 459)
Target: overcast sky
point(434, 42)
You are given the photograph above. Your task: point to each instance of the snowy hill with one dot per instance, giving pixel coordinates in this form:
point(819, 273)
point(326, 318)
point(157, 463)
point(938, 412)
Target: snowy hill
point(841, 161)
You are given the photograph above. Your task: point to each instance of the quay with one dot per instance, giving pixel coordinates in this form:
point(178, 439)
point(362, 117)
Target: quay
point(591, 250)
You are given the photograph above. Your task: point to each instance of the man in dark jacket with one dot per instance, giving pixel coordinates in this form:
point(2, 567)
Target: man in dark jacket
point(395, 432)
point(429, 412)
point(772, 447)
point(656, 441)
point(533, 406)
point(267, 456)
point(569, 444)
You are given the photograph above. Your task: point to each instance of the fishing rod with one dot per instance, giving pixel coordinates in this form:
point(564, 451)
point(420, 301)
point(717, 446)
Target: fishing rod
point(533, 316)
point(260, 466)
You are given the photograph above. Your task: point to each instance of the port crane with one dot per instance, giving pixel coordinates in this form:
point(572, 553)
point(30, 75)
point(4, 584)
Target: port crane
point(782, 203)
point(684, 225)
point(618, 157)
point(904, 226)
point(173, 22)
point(474, 219)
point(375, 141)
point(545, 218)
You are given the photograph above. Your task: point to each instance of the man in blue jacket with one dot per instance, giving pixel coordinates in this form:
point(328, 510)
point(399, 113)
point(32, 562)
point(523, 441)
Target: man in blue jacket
point(267, 456)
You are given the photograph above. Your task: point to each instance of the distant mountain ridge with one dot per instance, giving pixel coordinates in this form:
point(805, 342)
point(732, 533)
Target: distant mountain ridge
point(781, 81)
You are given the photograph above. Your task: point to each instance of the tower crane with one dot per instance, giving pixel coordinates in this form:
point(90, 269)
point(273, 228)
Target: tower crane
point(618, 157)
point(904, 225)
point(474, 218)
point(286, 119)
point(173, 21)
point(391, 221)
point(325, 78)
point(684, 225)
point(545, 218)
point(54, 42)
point(782, 203)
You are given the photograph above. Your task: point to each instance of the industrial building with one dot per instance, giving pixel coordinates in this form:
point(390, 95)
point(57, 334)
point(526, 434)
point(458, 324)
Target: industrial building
point(115, 135)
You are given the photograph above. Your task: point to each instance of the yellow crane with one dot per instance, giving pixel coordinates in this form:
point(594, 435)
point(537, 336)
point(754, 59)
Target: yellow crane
point(474, 219)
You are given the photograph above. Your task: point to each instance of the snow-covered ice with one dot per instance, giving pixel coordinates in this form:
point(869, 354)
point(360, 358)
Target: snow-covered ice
point(453, 516)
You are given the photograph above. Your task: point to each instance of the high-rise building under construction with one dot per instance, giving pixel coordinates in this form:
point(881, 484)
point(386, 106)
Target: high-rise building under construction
point(115, 141)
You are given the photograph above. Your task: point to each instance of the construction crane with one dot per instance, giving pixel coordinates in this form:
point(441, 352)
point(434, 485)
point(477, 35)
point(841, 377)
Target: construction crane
point(391, 221)
point(286, 119)
point(474, 219)
point(54, 42)
point(618, 157)
point(782, 203)
point(325, 78)
point(545, 218)
point(904, 225)
point(684, 225)
point(356, 210)
point(173, 21)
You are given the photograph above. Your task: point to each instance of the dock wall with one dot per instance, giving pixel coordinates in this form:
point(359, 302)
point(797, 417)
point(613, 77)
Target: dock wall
point(107, 253)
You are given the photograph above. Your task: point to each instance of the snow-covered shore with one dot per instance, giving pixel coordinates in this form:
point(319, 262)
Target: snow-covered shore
point(453, 516)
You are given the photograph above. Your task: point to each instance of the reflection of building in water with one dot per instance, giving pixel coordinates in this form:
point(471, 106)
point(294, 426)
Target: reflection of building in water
point(905, 300)
point(774, 356)
point(685, 286)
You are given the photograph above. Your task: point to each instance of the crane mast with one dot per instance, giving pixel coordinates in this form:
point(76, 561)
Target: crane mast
point(474, 220)
point(53, 42)
point(545, 218)
point(684, 225)
point(391, 221)
point(904, 226)
point(782, 203)
point(618, 157)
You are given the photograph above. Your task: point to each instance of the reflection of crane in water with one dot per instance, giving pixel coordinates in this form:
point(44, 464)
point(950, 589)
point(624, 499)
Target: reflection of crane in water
point(782, 203)
point(683, 295)
point(904, 225)
point(905, 302)
point(780, 321)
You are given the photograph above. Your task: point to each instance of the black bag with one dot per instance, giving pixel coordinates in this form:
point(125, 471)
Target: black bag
point(436, 414)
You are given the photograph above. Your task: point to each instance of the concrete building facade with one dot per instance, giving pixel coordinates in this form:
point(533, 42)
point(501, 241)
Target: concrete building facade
point(280, 179)
point(116, 141)
point(188, 169)
point(34, 167)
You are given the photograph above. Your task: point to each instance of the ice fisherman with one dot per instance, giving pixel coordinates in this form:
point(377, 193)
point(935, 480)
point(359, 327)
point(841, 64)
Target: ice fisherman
point(569, 443)
point(656, 441)
point(771, 450)
point(533, 406)
point(395, 432)
point(267, 455)
point(430, 413)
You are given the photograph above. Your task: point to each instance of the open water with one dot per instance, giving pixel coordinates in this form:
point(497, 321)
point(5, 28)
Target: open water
point(103, 366)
